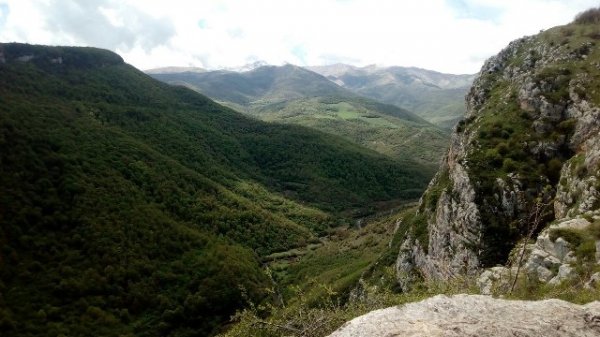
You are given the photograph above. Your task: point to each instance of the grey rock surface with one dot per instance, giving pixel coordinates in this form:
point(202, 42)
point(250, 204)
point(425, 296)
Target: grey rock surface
point(458, 222)
point(495, 279)
point(593, 282)
point(456, 228)
point(565, 272)
point(547, 255)
point(477, 315)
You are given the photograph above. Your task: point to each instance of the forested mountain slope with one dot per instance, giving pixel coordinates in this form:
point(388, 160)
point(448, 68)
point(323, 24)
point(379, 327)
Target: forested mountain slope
point(130, 207)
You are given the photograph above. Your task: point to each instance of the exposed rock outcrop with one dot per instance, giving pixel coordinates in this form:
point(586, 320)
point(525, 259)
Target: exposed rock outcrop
point(517, 199)
point(550, 259)
point(531, 136)
point(477, 315)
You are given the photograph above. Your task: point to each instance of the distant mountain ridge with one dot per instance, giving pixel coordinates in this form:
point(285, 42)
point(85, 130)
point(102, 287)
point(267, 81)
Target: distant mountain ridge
point(413, 74)
point(171, 70)
point(263, 85)
point(295, 95)
point(247, 67)
point(435, 96)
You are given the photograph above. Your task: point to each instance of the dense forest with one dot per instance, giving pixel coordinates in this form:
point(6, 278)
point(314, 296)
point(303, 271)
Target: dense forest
point(130, 207)
point(293, 95)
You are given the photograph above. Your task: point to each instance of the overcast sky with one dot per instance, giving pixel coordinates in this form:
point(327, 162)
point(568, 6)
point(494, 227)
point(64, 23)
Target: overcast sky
point(453, 36)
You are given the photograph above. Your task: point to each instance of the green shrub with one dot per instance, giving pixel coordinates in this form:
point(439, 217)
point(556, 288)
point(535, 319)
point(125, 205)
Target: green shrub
point(502, 148)
point(594, 230)
point(493, 158)
point(553, 168)
point(567, 126)
point(586, 251)
point(572, 236)
point(431, 197)
point(509, 165)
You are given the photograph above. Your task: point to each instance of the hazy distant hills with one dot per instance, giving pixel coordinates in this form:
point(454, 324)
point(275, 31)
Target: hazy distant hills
point(294, 95)
point(258, 87)
point(437, 97)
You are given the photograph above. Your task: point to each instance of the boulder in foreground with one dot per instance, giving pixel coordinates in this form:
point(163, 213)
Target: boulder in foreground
point(477, 315)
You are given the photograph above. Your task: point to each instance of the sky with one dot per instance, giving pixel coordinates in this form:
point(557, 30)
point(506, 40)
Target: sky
point(451, 36)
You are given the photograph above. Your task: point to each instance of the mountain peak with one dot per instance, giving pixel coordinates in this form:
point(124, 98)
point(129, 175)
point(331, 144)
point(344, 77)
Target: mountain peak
point(173, 70)
point(248, 66)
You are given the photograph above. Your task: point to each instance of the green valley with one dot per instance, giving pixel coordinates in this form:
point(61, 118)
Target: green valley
point(201, 198)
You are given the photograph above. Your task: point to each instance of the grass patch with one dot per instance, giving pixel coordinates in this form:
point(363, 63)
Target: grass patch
point(433, 193)
point(364, 123)
point(582, 241)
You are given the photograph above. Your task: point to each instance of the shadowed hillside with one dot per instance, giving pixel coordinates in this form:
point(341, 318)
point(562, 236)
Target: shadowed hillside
point(130, 207)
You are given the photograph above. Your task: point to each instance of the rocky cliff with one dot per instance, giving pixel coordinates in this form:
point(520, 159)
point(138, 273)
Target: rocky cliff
point(523, 163)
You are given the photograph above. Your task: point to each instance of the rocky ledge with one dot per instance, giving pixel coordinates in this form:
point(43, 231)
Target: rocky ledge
point(477, 315)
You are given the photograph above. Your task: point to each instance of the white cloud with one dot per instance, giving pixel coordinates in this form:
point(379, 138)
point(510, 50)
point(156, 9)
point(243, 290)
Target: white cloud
point(445, 35)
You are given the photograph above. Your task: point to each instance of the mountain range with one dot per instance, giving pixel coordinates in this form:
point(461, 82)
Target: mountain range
point(294, 95)
point(434, 96)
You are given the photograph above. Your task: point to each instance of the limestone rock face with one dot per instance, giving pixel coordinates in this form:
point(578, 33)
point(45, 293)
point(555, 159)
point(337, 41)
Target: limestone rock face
point(477, 316)
point(495, 279)
point(546, 260)
point(531, 135)
point(453, 226)
point(547, 255)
